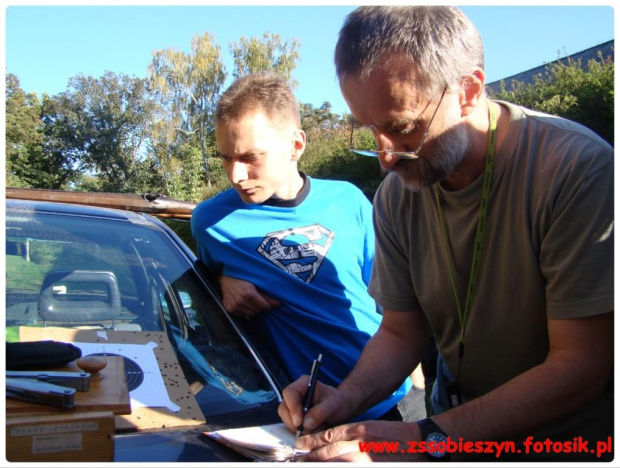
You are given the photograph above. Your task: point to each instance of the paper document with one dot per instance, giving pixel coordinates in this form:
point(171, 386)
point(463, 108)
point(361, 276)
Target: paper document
point(151, 391)
point(274, 442)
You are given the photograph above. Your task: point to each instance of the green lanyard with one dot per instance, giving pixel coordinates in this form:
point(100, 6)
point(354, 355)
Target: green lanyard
point(482, 217)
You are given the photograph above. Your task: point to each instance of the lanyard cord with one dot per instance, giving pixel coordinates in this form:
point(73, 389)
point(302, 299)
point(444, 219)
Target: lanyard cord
point(482, 216)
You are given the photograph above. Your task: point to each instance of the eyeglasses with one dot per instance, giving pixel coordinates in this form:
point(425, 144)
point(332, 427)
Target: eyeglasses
point(400, 154)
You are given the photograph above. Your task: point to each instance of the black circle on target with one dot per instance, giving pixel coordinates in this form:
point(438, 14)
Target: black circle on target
point(133, 371)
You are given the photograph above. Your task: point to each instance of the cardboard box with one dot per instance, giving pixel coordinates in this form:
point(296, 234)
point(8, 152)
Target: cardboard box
point(71, 437)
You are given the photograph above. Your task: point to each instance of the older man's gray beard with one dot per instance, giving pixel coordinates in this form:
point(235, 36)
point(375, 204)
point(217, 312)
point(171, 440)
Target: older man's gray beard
point(446, 152)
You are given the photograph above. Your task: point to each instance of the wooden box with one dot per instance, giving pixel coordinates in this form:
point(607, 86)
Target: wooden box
point(75, 437)
point(109, 393)
point(143, 417)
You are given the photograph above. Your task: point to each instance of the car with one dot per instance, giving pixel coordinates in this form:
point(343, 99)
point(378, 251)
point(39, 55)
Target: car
point(74, 265)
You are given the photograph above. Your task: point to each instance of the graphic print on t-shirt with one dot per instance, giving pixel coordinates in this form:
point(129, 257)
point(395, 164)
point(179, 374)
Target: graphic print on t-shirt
point(299, 251)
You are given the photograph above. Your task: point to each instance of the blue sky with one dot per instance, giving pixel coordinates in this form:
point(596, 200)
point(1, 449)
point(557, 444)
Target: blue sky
point(46, 45)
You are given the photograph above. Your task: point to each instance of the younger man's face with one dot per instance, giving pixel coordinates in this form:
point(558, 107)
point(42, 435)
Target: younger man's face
point(260, 157)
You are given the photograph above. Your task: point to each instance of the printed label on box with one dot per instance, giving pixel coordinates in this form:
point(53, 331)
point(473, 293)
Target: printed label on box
point(22, 431)
point(57, 443)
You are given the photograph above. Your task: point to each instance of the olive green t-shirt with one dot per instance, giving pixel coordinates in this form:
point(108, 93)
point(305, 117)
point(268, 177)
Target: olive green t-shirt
point(547, 251)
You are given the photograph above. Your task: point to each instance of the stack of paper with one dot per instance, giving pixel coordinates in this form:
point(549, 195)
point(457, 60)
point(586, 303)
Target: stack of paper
point(274, 442)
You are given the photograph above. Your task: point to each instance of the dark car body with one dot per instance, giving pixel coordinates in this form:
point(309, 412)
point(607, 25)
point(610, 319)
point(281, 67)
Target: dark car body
point(60, 253)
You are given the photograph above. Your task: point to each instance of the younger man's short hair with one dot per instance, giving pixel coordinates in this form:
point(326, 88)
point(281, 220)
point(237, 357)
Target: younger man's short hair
point(266, 91)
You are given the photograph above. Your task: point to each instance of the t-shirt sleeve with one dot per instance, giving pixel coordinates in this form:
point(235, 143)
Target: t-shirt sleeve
point(576, 255)
point(390, 283)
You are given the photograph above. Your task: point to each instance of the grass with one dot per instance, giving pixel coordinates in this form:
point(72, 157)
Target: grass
point(21, 274)
point(12, 334)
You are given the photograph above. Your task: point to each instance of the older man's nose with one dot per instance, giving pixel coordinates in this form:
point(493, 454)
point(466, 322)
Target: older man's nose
point(385, 145)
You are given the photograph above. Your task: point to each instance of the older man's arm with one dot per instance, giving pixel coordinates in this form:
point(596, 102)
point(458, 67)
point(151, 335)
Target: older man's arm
point(575, 372)
point(389, 358)
point(581, 350)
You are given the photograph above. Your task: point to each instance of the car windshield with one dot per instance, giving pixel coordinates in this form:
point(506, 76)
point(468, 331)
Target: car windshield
point(80, 271)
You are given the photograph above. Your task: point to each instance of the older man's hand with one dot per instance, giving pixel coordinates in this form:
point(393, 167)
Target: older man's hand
point(376, 441)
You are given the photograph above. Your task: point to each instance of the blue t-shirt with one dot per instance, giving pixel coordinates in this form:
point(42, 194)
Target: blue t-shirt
point(315, 258)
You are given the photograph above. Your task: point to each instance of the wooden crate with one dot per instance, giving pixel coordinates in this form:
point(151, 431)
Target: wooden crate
point(141, 417)
point(109, 393)
point(75, 437)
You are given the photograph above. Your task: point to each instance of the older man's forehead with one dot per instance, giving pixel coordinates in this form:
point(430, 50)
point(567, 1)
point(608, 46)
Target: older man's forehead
point(383, 98)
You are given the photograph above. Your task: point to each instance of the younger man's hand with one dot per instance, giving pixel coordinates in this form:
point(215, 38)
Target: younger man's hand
point(241, 298)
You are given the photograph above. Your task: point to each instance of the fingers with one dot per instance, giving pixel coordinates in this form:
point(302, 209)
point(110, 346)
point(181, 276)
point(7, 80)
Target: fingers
point(247, 313)
point(328, 406)
point(291, 409)
point(328, 437)
point(238, 309)
point(335, 444)
point(344, 451)
point(270, 300)
point(242, 299)
point(342, 443)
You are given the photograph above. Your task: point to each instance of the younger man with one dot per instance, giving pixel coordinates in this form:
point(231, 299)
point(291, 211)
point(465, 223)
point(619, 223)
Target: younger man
point(294, 253)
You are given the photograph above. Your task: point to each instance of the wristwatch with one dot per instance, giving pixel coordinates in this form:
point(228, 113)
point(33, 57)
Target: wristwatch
point(436, 440)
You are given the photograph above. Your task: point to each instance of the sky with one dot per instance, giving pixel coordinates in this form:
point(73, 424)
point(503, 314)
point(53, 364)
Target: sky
point(46, 45)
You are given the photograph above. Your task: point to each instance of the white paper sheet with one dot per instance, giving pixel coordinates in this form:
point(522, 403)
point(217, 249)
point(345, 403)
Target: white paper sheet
point(152, 391)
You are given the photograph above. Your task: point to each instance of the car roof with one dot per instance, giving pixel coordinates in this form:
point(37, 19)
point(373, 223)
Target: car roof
point(75, 210)
point(153, 204)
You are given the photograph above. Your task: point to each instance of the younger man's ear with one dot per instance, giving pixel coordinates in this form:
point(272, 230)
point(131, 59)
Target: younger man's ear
point(299, 144)
point(472, 88)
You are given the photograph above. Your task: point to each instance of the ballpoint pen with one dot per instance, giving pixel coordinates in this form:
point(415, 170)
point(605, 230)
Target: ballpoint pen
point(314, 375)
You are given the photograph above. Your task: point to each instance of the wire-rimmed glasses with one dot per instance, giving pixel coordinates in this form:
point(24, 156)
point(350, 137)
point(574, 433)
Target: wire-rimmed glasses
point(400, 154)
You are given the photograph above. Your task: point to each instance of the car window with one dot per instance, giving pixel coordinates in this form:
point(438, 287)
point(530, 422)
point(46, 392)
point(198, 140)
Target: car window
point(82, 271)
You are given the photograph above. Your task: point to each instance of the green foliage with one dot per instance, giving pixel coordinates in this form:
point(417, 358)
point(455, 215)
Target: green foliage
point(328, 157)
point(566, 89)
point(28, 164)
point(327, 154)
point(61, 139)
point(182, 174)
point(318, 122)
point(24, 275)
point(186, 88)
point(128, 135)
point(122, 134)
point(87, 183)
point(182, 229)
point(99, 126)
point(12, 334)
point(219, 181)
point(255, 55)
point(43, 253)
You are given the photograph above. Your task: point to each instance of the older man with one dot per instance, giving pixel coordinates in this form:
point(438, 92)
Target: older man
point(495, 229)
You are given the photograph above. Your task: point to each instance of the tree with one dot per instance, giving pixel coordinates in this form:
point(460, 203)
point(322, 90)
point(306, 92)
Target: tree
point(30, 161)
point(317, 122)
point(566, 89)
point(186, 88)
point(123, 134)
point(24, 137)
point(327, 154)
point(101, 125)
point(267, 54)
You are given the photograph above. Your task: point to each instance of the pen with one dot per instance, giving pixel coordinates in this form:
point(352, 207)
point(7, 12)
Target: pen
point(314, 375)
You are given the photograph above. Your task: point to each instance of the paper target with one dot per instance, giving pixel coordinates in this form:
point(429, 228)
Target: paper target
point(144, 380)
